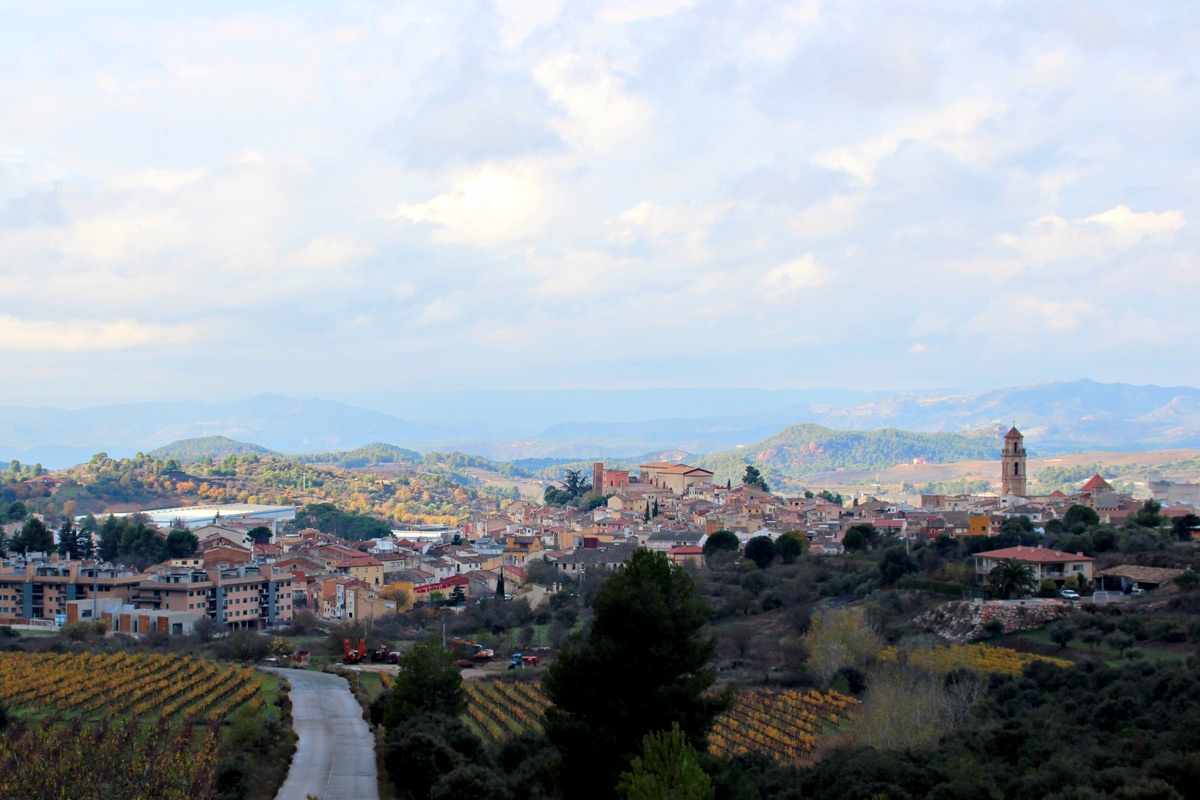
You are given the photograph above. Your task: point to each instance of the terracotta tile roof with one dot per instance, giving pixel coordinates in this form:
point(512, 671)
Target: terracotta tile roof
point(1036, 555)
point(1097, 484)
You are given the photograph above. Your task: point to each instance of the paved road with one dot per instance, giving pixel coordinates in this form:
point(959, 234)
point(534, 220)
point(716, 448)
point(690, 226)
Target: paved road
point(335, 757)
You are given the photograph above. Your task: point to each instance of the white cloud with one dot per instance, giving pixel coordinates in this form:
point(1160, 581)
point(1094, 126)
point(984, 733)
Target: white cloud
point(680, 227)
point(950, 129)
point(331, 251)
point(1130, 226)
point(793, 276)
point(832, 215)
point(623, 12)
point(1098, 236)
point(441, 309)
point(159, 180)
point(485, 205)
point(599, 115)
point(549, 167)
point(74, 336)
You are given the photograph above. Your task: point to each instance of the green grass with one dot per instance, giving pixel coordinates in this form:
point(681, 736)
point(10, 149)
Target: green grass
point(371, 684)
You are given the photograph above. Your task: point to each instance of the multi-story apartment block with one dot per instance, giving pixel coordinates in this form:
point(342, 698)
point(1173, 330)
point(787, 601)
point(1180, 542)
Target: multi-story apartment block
point(243, 596)
point(41, 589)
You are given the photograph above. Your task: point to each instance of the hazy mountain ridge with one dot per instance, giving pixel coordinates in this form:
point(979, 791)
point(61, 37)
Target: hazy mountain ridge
point(1056, 417)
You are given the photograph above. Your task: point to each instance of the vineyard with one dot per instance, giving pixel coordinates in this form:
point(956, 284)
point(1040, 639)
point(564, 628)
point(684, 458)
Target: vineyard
point(783, 725)
point(976, 657)
point(67, 686)
point(116, 725)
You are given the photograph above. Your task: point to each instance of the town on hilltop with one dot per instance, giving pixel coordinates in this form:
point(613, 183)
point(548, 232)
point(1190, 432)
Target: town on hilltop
point(815, 641)
point(256, 566)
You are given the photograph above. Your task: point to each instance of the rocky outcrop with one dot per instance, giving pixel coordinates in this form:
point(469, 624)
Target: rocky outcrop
point(966, 621)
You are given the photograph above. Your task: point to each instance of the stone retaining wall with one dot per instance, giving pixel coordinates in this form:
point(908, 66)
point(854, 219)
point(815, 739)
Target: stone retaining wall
point(964, 621)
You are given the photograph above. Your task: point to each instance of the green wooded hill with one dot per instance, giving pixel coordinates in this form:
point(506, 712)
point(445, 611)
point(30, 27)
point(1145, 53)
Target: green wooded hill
point(365, 456)
point(189, 451)
point(804, 450)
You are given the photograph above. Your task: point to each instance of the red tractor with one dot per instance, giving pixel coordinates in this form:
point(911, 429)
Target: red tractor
point(385, 655)
point(353, 656)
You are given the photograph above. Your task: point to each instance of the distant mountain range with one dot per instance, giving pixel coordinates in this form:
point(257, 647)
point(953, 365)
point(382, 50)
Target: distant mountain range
point(1056, 418)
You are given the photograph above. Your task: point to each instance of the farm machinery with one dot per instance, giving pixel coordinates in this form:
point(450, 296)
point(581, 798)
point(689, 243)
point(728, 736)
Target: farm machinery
point(385, 655)
point(352, 655)
point(470, 653)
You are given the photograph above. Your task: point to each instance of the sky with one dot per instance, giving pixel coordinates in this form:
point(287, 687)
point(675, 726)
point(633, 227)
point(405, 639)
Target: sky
point(218, 199)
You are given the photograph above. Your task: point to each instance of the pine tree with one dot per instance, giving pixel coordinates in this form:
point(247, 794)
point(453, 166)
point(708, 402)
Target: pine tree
point(648, 619)
point(667, 768)
point(34, 537)
point(68, 539)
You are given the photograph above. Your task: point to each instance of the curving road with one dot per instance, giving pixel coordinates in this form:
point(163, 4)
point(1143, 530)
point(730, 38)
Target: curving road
point(335, 757)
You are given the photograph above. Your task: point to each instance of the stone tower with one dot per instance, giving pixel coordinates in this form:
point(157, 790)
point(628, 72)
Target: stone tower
point(1012, 464)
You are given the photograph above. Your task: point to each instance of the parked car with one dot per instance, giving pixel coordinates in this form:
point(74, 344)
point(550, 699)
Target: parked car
point(1069, 594)
point(1137, 592)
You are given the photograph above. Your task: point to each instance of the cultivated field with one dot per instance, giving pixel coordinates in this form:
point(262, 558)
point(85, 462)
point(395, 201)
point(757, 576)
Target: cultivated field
point(781, 724)
point(124, 725)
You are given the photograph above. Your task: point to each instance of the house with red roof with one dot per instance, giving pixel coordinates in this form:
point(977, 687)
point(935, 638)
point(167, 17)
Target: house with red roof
point(1046, 563)
point(686, 556)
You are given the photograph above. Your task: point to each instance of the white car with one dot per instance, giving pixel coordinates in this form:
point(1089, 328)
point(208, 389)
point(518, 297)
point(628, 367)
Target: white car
point(1069, 594)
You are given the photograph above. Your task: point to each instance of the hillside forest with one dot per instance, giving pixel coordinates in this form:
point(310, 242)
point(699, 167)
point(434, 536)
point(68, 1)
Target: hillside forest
point(143, 481)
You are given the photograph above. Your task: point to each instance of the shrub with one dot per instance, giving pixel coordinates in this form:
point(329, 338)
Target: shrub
point(993, 628)
point(761, 550)
point(1187, 581)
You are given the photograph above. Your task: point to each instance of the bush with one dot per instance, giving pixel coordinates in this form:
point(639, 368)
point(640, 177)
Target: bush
point(790, 545)
point(243, 645)
point(6, 632)
point(993, 628)
point(761, 550)
point(854, 681)
point(895, 564)
point(1187, 581)
point(428, 747)
point(720, 542)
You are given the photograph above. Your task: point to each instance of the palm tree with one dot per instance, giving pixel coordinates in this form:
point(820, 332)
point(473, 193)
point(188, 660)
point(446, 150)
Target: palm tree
point(1010, 577)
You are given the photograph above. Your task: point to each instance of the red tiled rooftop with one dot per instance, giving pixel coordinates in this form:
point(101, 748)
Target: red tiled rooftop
point(1038, 555)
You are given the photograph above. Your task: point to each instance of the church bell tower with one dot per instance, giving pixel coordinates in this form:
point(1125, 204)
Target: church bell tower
point(1012, 464)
